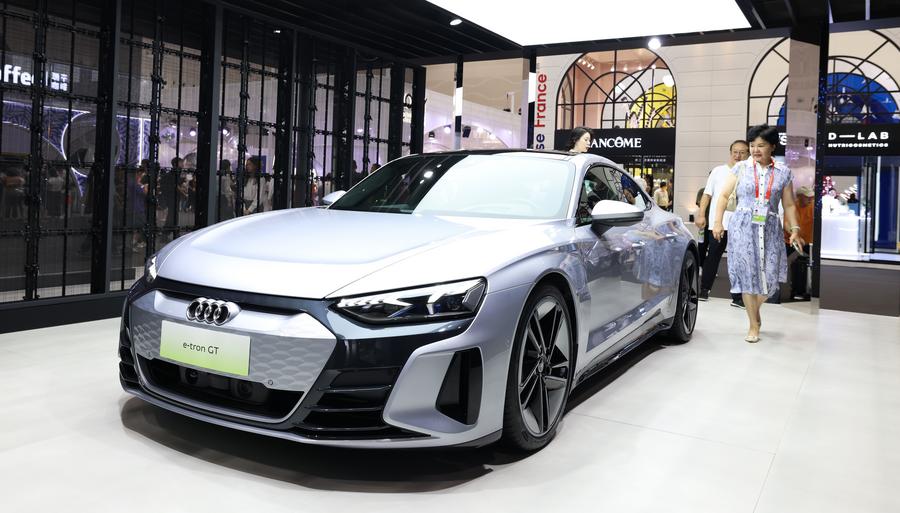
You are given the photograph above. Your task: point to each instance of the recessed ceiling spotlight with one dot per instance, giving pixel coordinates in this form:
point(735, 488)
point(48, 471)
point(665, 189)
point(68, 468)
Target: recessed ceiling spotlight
point(654, 44)
point(277, 31)
point(455, 21)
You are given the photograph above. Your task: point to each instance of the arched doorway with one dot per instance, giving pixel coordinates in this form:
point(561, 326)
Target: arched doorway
point(628, 99)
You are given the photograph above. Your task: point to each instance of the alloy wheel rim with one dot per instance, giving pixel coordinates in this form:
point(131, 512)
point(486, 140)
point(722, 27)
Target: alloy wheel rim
point(543, 366)
point(690, 296)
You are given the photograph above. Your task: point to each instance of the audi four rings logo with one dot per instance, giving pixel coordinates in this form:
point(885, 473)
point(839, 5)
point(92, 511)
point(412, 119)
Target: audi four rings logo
point(212, 311)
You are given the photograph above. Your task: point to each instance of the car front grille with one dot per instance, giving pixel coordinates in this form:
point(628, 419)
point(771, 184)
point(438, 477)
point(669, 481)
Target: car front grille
point(222, 392)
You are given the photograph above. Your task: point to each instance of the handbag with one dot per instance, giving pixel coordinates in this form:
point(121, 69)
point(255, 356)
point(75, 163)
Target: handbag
point(731, 206)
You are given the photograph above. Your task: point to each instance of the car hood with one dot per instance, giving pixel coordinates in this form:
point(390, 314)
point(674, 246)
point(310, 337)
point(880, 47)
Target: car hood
point(312, 252)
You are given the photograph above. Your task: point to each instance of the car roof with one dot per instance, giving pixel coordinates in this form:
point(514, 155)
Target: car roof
point(576, 158)
point(535, 153)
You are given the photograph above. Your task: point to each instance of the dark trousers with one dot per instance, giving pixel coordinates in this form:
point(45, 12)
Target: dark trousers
point(703, 247)
point(715, 249)
point(797, 272)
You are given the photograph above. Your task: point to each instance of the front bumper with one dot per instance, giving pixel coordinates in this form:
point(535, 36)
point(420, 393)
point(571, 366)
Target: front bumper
point(317, 377)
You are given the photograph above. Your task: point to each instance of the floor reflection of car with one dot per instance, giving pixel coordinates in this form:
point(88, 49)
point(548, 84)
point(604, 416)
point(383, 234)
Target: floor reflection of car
point(448, 299)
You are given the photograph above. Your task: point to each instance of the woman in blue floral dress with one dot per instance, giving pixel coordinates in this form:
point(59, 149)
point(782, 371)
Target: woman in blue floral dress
point(757, 260)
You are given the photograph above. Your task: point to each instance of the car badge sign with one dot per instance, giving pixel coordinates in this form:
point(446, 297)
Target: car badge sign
point(211, 311)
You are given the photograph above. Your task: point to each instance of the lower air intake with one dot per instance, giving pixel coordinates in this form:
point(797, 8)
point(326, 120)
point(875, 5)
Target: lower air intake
point(460, 395)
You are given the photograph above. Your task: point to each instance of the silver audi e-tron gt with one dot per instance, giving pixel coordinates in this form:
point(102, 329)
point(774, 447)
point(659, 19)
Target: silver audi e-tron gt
point(447, 299)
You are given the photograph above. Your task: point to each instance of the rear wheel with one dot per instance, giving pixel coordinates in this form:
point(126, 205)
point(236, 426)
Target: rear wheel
point(540, 371)
point(688, 296)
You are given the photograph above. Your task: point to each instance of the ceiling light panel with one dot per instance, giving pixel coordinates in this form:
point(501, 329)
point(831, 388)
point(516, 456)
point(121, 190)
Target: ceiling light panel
point(536, 22)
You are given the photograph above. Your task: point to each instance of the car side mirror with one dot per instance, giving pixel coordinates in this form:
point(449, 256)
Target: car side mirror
point(332, 197)
point(608, 213)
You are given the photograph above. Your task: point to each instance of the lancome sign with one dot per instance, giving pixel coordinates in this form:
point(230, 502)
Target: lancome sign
point(626, 141)
point(618, 142)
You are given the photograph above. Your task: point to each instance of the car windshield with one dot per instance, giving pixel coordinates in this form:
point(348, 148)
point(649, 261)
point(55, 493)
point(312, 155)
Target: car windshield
point(499, 185)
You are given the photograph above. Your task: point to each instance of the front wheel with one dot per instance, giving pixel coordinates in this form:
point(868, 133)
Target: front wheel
point(540, 371)
point(688, 296)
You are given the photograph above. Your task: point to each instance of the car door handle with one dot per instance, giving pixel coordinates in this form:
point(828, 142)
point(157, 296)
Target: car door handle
point(638, 244)
point(671, 235)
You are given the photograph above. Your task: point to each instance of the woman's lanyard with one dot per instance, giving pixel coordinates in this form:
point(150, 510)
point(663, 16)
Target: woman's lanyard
point(771, 181)
point(761, 208)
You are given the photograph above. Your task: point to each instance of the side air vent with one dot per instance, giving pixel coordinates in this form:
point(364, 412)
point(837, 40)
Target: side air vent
point(127, 372)
point(460, 395)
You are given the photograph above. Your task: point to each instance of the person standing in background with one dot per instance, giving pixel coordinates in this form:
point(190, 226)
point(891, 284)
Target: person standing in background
point(661, 195)
point(579, 140)
point(137, 215)
point(226, 190)
point(798, 260)
point(167, 196)
point(56, 197)
point(738, 151)
point(257, 187)
point(641, 183)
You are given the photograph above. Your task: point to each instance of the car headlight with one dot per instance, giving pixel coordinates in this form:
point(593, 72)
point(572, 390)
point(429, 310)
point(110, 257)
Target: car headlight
point(150, 270)
point(422, 304)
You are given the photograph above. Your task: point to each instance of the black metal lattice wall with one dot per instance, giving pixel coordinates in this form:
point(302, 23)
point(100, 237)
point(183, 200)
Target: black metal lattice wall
point(48, 95)
point(147, 125)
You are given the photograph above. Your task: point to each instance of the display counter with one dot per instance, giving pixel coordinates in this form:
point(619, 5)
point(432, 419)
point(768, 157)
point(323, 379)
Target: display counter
point(840, 236)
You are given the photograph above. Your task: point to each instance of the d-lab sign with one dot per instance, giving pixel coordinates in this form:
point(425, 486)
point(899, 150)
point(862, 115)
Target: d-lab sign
point(855, 140)
point(863, 140)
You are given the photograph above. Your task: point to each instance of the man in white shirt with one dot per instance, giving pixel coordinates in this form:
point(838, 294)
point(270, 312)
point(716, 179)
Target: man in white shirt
point(739, 150)
point(661, 195)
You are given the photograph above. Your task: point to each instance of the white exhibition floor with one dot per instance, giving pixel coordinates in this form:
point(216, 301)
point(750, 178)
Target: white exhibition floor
point(807, 420)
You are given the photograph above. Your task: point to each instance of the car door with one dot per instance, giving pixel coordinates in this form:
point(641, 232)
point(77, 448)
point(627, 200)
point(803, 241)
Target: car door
point(659, 259)
point(653, 241)
point(609, 259)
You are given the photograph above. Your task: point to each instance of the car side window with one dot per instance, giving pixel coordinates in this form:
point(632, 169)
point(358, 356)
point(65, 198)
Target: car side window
point(595, 187)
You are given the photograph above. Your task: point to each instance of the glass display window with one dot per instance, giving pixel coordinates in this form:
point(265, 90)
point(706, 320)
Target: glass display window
point(860, 208)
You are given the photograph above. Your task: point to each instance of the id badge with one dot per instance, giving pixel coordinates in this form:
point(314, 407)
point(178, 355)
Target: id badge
point(760, 212)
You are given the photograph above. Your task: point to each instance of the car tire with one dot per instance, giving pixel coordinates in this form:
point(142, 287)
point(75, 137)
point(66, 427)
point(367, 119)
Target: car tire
point(540, 371)
point(688, 296)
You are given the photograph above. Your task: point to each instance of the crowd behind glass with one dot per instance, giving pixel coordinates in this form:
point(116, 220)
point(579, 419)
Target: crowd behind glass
point(66, 191)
